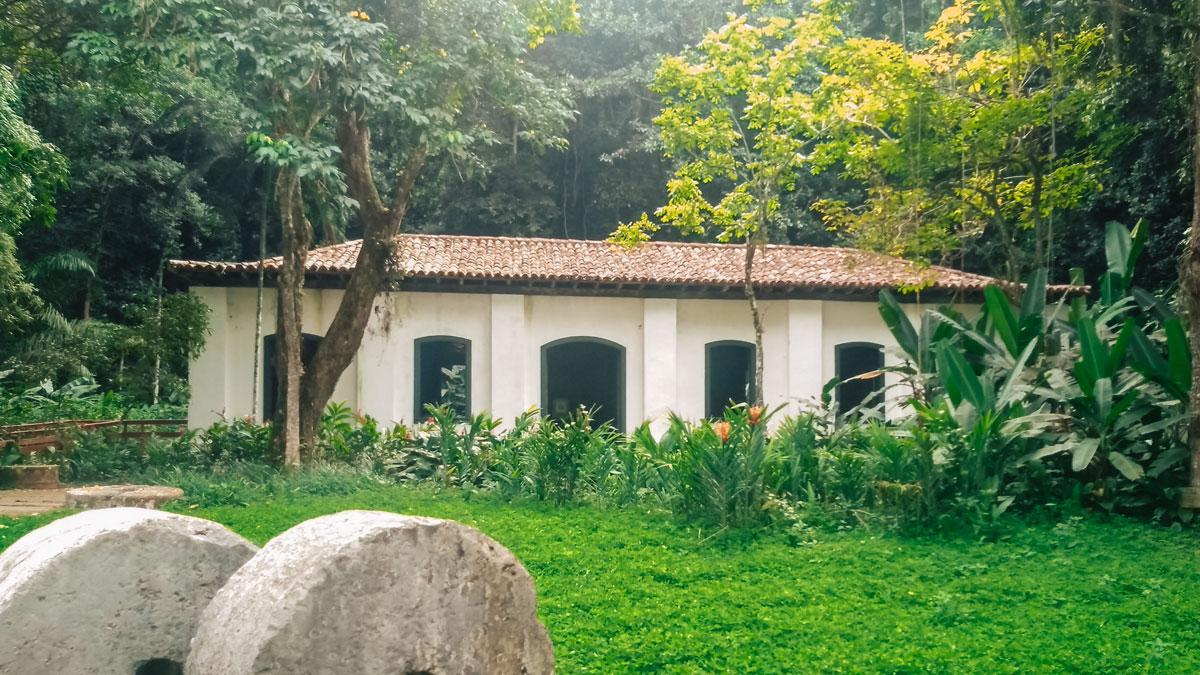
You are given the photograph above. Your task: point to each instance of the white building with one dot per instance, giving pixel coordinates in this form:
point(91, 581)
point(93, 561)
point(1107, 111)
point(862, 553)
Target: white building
point(561, 323)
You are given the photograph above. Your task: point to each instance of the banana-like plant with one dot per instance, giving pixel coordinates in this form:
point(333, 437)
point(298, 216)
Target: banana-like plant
point(1106, 385)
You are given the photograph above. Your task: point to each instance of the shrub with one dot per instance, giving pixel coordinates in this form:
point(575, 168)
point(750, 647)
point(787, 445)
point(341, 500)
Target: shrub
point(444, 449)
point(96, 456)
point(718, 471)
point(79, 399)
point(634, 469)
point(1029, 402)
point(563, 459)
point(237, 440)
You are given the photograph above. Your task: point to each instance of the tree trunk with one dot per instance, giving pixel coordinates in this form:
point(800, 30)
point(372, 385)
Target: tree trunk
point(753, 241)
point(258, 311)
point(1189, 282)
point(290, 292)
point(258, 321)
point(158, 328)
point(369, 278)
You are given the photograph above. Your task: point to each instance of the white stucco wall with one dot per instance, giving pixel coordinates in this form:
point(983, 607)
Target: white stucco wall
point(664, 341)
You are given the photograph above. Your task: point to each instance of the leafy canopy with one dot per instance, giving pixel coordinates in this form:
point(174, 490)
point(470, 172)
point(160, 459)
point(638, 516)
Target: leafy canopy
point(960, 134)
point(736, 122)
point(953, 137)
point(30, 172)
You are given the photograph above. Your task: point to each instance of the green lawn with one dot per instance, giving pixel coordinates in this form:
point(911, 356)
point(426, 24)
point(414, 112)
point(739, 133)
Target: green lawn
point(631, 591)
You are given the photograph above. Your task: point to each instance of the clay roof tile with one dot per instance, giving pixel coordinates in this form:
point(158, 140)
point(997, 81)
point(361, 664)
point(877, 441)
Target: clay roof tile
point(427, 256)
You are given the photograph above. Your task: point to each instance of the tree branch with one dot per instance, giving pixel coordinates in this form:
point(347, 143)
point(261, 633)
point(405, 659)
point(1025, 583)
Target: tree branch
point(355, 144)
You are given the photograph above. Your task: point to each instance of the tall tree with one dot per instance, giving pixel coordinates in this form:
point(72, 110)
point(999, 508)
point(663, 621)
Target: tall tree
point(729, 119)
point(30, 172)
point(611, 168)
point(429, 78)
point(1189, 271)
point(979, 131)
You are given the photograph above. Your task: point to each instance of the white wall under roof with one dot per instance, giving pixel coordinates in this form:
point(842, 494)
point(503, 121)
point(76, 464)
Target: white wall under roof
point(664, 342)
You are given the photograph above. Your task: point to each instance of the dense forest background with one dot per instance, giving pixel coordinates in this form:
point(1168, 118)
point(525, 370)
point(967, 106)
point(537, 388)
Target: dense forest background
point(139, 160)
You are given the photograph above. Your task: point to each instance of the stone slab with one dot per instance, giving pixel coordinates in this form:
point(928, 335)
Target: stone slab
point(108, 496)
point(106, 591)
point(31, 502)
point(369, 592)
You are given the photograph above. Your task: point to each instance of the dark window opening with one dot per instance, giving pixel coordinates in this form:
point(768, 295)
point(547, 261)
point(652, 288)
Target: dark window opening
point(854, 359)
point(270, 385)
point(442, 375)
point(159, 667)
point(587, 373)
point(728, 376)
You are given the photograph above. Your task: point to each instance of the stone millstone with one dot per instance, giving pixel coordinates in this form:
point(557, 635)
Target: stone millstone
point(108, 496)
point(368, 592)
point(106, 591)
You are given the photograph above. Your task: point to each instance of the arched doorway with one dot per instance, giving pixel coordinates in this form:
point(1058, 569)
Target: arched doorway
point(442, 374)
point(728, 375)
point(587, 372)
point(859, 366)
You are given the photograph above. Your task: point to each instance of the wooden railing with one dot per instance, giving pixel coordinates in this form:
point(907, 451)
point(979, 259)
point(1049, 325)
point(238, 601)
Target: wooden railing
point(30, 438)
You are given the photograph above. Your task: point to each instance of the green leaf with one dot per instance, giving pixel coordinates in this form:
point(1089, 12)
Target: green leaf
point(1083, 452)
point(1128, 468)
point(959, 378)
point(1002, 317)
point(1112, 287)
point(1102, 395)
point(1093, 356)
point(1117, 248)
point(1179, 355)
point(1146, 357)
point(1014, 376)
point(1116, 353)
point(1033, 302)
point(1139, 237)
point(1151, 302)
point(899, 325)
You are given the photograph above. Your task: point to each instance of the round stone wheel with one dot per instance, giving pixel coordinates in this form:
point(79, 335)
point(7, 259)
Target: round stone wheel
point(108, 496)
point(110, 591)
point(369, 592)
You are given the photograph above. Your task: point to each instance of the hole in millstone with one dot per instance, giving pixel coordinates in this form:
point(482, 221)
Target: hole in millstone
point(159, 667)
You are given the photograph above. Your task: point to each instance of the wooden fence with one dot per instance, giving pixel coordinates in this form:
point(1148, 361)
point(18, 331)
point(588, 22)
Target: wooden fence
point(30, 438)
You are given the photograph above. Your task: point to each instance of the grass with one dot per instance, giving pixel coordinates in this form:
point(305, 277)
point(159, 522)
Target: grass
point(628, 591)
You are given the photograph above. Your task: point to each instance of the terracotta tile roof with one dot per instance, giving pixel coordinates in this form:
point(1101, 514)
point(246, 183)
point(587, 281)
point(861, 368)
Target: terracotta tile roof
point(530, 260)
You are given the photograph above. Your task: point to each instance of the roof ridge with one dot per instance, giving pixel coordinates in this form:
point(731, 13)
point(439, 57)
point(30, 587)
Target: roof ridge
point(849, 250)
point(678, 263)
point(593, 242)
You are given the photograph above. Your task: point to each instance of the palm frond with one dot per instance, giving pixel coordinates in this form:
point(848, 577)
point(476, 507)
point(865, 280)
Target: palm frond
point(71, 262)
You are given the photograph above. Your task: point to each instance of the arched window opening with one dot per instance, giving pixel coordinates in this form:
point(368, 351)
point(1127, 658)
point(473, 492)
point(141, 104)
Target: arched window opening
point(728, 375)
point(270, 385)
point(858, 367)
point(159, 667)
point(442, 375)
point(584, 372)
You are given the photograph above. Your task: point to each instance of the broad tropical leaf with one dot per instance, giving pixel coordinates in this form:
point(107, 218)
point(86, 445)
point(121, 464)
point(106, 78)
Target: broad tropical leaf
point(1128, 468)
point(1003, 320)
point(899, 325)
point(1083, 452)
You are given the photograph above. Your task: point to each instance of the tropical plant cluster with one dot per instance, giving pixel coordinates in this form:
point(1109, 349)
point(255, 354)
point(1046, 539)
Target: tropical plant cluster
point(1029, 405)
point(78, 399)
point(1030, 399)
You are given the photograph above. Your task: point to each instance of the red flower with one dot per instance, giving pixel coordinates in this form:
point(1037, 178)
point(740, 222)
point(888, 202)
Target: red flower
point(755, 414)
point(722, 429)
